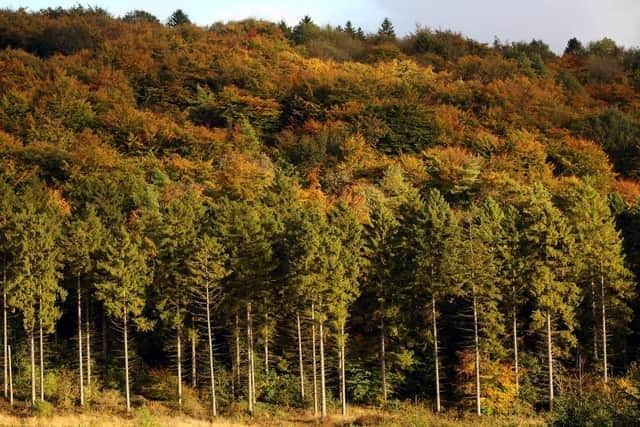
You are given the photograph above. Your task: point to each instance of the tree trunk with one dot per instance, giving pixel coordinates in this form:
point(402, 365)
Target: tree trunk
point(515, 343)
point(383, 361)
point(343, 382)
point(41, 350)
point(126, 360)
point(80, 342)
point(323, 390)
point(550, 360)
point(179, 355)
point(435, 353)
point(604, 326)
point(253, 365)
point(194, 361)
point(595, 323)
point(249, 362)
point(10, 377)
point(477, 352)
point(314, 361)
point(4, 325)
point(211, 371)
point(88, 334)
point(32, 343)
point(105, 343)
point(300, 361)
point(266, 344)
point(238, 363)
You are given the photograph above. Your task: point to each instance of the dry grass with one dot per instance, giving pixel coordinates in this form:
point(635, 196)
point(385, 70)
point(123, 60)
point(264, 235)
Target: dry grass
point(156, 417)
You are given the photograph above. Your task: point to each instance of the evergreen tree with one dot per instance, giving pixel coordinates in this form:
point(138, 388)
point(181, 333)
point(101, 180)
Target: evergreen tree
point(379, 236)
point(206, 269)
point(178, 18)
point(386, 30)
point(36, 290)
point(550, 252)
point(606, 285)
point(123, 292)
point(176, 229)
point(83, 241)
point(8, 239)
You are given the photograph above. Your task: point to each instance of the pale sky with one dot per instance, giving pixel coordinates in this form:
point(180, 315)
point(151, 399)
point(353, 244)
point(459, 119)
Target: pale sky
point(554, 21)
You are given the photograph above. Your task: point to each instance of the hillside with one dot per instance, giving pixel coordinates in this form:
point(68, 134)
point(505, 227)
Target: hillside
point(426, 218)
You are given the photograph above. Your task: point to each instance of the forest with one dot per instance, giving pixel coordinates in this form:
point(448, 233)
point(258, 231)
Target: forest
point(251, 215)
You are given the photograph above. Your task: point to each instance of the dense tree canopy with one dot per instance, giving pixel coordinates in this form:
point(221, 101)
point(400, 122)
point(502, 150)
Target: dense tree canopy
point(330, 209)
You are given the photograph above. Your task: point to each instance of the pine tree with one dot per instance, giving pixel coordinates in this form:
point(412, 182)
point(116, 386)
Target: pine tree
point(8, 238)
point(429, 229)
point(207, 268)
point(606, 285)
point(178, 18)
point(379, 239)
point(124, 289)
point(82, 243)
point(37, 264)
point(386, 30)
point(550, 251)
point(176, 229)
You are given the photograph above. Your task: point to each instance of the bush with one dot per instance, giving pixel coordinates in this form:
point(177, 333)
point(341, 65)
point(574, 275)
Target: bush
point(144, 418)
point(61, 388)
point(43, 409)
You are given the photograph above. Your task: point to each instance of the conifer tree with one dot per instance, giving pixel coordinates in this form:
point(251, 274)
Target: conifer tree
point(123, 291)
point(82, 243)
point(176, 229)
point(8, 238)
point(206, 269)
point(379, 239)
point(601, 272)
point(386, 30)
point(550, 252)
point(430, 228)
point(37, 263)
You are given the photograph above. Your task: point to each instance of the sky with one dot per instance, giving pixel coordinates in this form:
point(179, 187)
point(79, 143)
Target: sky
point(553, 21)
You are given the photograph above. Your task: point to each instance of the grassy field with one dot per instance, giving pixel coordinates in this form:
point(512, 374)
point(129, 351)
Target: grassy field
point(156, 416)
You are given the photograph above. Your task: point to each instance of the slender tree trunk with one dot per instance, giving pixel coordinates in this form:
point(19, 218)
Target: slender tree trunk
point(249, 362)
point(477, 352)
point(179, 354)
point(41, 350)
point(314, 361)
point(10, 377)
point(126, 360)
point(194, 361)
point(515, 343)
point(105, 341)
point(214, 408)
point(550, 360)
point(595, 323)
point(32, 345)
point(253, 365)
point(87, 324)
point(238, 362)
point(604, 327)
point(343, 382)
point(4, 324)
point(80, 341)
point(383, 360)
point(323, 391)
point(266, 344)
point(301, 365)
point(435, 353)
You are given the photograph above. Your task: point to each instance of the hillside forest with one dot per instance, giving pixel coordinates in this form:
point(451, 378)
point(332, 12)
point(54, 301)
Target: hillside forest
point(249, 213)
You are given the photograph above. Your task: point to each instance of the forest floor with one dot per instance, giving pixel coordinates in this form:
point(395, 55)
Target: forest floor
point(408, 416)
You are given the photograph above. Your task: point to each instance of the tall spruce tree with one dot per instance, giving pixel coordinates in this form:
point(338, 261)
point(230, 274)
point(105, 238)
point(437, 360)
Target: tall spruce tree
point(206, 267)
point(177, 227)
point(550, 255)
point(607, 289)
point(83, 240)
point(37, 270)
point(123, 291)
